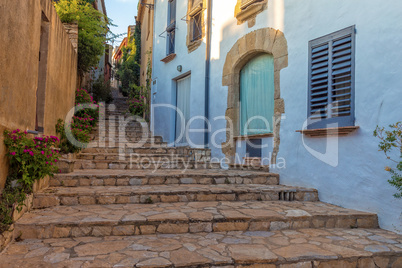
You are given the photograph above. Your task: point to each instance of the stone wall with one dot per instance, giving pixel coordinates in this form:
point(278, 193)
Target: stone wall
point(9, 235)
point(22, 25)
point(72, 31)
point(265, 40)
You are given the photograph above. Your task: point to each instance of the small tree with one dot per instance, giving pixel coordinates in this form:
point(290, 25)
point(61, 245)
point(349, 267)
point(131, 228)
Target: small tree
point(389, 140)
point(93, 27)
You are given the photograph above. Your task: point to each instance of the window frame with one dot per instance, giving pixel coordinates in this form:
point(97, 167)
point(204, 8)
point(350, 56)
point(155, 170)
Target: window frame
point(195, 13)
point(244, 4)
point(193, 26)
point(171, 28)
point(342, 121)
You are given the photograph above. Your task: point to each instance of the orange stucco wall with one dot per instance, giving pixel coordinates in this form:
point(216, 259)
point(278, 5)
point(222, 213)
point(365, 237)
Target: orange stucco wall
point(20, 33)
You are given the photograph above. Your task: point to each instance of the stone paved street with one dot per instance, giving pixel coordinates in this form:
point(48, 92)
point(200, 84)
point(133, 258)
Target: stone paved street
point(325, 248)
point(105, 215)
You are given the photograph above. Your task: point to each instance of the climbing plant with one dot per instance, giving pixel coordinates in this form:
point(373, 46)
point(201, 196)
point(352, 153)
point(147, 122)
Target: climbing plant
point(128, 70)
point(391, 141)
point(93, 28)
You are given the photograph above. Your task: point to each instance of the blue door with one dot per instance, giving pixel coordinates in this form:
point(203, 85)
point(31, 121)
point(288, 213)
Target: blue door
point(257, 96)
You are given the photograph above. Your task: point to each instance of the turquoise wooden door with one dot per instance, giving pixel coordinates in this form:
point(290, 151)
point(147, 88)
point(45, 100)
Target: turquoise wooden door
point(257, 96)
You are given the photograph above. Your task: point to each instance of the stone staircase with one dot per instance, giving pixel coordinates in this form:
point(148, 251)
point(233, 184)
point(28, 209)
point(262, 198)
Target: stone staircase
point(154, 206)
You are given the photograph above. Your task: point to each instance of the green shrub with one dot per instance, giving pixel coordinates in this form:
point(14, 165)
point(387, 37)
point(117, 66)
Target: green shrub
point(136, 102)
point(82, 123)
point(93, 27)
point(31, 159)
point(128, 70)
point(10, 197)
point(83, 97)
point(391, 140)
point(102, 91)
point(80, 134)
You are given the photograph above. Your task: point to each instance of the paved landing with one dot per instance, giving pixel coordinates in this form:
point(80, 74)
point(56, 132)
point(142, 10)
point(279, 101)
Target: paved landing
point(130, 219)
point(170, 173)
point(303, 247)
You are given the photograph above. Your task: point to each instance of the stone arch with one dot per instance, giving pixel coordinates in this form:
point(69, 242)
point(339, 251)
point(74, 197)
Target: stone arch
point(265, 40)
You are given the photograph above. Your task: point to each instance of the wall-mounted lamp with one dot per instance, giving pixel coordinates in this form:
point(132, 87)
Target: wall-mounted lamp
point(179, 68)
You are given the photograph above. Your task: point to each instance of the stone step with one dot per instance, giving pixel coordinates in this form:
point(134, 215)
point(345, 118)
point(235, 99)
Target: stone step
point(111, 177)
point(126, 146)
point(249, 167)
point(127, 135)
point(145, 194)
point(128, 157)
point(125, 139)
point(137, 150)
point(304, 248)
point(127, 142)
point(118, 121)
point(148, 164)
point(120, 128)
point(131, 138)
point(188, 217)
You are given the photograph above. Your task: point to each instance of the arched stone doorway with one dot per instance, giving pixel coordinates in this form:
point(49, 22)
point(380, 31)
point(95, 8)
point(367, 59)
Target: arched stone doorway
point(266, 40)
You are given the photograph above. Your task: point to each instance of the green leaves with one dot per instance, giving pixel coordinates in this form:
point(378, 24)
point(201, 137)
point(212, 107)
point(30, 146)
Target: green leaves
point(93, 27)
point(82, 122)
point(129, 70)
point(391, 139)
point(31, 159)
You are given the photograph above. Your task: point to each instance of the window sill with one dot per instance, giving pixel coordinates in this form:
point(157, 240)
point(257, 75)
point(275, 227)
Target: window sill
point(257, 136)
point(193, 45)
point(169, 58)
point(250, 11)
point(322, 132)
point(195, 9)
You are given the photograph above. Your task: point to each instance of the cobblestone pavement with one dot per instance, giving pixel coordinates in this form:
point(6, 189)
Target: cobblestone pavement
point(323, 248)
point(104, 215)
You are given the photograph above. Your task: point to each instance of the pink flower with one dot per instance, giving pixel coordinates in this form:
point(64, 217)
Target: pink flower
point(12, 153)
point(47, 162)
point(31, 153)
point(42, 152)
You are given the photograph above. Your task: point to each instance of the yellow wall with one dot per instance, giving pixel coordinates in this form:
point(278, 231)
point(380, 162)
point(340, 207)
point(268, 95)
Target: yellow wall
point(146, 17)
point(20, 33)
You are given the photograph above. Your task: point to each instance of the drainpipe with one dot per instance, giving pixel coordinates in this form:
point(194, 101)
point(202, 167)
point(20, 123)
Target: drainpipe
point(207, 70)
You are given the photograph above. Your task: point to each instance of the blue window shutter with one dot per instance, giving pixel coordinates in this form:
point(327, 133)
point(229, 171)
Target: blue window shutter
point(331, 79)
point(171, 28)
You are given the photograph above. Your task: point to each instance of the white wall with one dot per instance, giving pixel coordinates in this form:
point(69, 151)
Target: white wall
point(165, 73)
point(359, 180)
